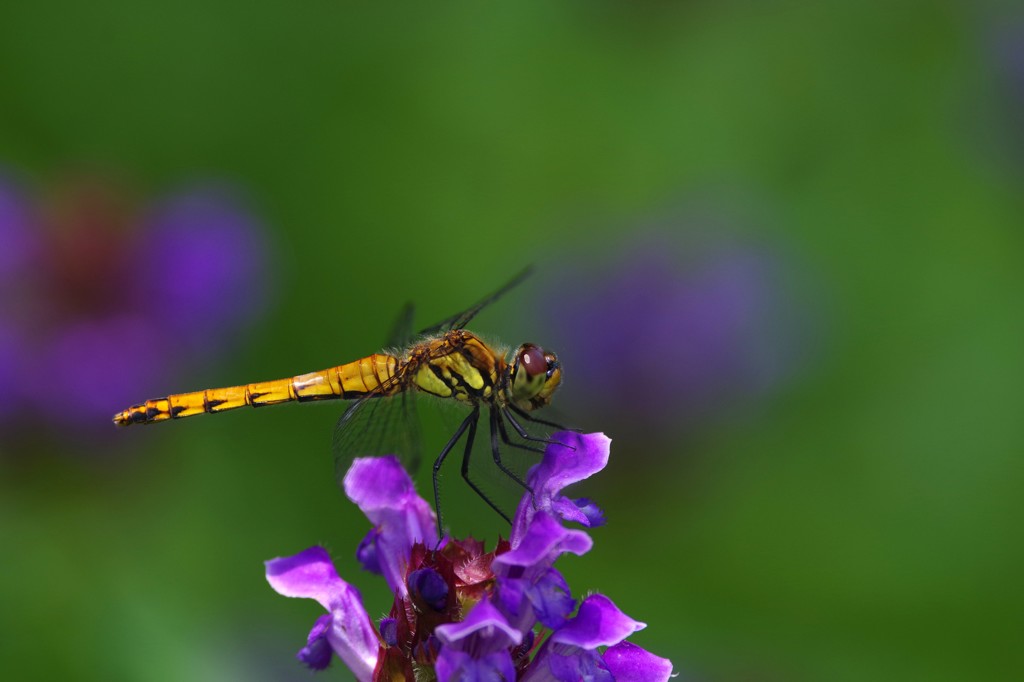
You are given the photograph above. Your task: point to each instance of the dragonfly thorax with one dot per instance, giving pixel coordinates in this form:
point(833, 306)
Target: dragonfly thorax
point(456, 365)
point(460, 365)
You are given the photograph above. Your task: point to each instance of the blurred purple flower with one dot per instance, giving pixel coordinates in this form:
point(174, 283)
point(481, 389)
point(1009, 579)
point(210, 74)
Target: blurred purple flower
point(657, 342)
point(460, 613)
point(206, 236)
point(1005, 47)
point(15, 232)
point(1009, 53)
point(102, 307)
point(10, 354)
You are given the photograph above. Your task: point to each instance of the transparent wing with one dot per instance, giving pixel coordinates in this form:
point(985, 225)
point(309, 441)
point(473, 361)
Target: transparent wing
point(460, 320)
point(402, 334)
point(378, 425)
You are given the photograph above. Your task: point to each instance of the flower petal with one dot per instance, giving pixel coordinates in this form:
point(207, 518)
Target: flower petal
point(542, 542)
point(574, 457)
point(385, 493)
point(389, 631)
point(366, 552)
point(377, 484)
point(483, 632)
point(352, 637)
point(316, 655)
point(519, 569)
point(551, 599)
point(512, 601)
point(311, 574)
point(630, 663)
point(427, 589)
point(581, 510)
point(459, 666)
point(598, 622)
point(580, 665)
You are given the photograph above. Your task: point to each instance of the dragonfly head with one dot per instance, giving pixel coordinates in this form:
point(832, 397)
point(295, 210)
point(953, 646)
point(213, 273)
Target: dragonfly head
point(533, 376)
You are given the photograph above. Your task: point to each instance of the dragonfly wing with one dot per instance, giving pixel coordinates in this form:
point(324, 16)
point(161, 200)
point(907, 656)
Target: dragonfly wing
point(402, 332)
point(377, 425)
point(460, 320)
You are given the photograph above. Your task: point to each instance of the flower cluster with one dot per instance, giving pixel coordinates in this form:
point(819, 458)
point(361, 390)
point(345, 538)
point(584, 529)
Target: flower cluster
point(461, 613)
point(99, 295)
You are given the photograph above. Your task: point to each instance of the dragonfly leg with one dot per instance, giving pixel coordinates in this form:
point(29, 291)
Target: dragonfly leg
point(465, 469)
point(529, 417)
point(467, 423)
point(497, 426)
point(523, 433)
point(509, 442)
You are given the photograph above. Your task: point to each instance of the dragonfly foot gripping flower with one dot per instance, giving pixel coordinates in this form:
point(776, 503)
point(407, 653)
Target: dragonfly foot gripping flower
point(459, 611)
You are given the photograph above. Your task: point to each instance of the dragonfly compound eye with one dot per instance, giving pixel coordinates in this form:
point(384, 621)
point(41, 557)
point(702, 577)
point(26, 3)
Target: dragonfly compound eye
point(535, 376)
point(531, 359)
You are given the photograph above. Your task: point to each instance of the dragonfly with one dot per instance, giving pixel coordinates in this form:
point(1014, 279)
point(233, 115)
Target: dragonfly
point(445, 361)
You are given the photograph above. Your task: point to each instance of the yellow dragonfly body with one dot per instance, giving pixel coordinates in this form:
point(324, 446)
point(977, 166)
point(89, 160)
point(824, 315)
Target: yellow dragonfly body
point(457, 364)
point(447, 361)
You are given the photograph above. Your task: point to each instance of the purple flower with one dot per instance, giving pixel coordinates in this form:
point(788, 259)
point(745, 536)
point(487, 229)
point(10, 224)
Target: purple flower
point(19, 244)
point(629, 663)
point(80, 351)
point(11, 349)
point(116, 300)
point(17, 249)
point(460, 613)
point(571, 651)
point(665, 335)
point(1008, 47)
point(573, 458)
point(1005, 46)
point(346, 628)
point(428, 589)
point(478, 647)
point(530, 589)
point(204, 234)
point(401, 518)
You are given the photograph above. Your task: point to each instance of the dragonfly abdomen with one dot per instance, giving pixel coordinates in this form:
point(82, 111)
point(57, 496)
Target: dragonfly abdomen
point(351, 380)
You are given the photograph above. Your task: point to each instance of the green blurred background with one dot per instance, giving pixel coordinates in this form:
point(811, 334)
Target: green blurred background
point(860, 521)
